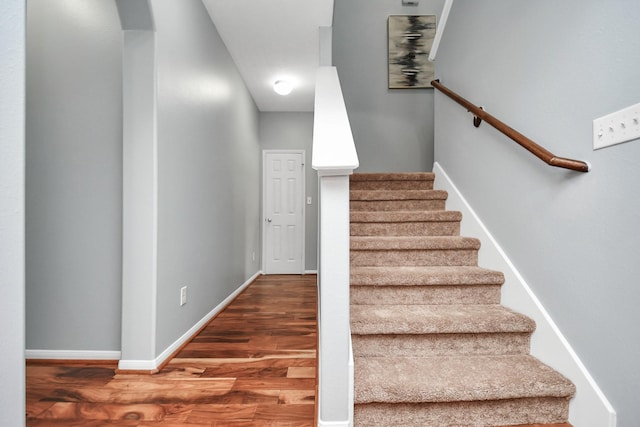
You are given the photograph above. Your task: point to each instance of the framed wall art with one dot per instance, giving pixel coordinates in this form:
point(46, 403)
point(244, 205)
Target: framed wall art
point(410, 40)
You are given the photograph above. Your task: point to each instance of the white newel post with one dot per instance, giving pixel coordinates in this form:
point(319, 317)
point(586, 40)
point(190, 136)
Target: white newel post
point(335, 158)
point(333, 279)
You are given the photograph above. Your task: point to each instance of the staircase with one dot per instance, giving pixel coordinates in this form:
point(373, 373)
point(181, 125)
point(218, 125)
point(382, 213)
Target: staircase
point(432, 344)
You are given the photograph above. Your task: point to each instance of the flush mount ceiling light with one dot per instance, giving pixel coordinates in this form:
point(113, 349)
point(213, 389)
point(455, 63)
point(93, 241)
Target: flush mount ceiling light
point(282, 87)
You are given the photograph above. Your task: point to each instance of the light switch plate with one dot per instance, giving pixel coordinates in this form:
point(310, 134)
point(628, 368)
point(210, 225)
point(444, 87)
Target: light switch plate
point(618, 127)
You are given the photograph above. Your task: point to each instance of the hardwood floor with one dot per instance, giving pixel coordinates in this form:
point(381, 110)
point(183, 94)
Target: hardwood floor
point(253, 365)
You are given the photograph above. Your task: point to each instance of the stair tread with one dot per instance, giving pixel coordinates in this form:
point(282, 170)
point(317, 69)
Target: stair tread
point(377, 195)
point(413, 242)
point(437, 319)
point(456, 378)
point(405, 216)
point(424, 276)
point(393, 176)
point(426, 320)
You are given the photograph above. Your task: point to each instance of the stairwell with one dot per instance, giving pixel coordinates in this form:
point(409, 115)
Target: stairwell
point(431, 342)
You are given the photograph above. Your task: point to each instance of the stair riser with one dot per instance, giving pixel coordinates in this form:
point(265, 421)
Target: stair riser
point(406, 229)
point(391, 185)
point(424, 276)
point(487, 413)
point(422, 295)
point(424, 351)
point(456, 257)
point(440, 344)
point(397, 205)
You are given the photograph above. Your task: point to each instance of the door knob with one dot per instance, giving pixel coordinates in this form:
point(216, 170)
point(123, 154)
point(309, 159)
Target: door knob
point(269, 220)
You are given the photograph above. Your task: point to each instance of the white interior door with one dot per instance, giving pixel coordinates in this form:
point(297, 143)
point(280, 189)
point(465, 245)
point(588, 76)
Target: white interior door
point(283, 201)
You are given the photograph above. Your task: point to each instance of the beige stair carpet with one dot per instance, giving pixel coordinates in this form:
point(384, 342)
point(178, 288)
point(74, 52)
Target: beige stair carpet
point(432, 344)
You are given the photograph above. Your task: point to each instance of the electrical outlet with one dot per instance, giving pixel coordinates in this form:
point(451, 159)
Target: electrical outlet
point(253, 256)
point(618, 127)
point(183, 296)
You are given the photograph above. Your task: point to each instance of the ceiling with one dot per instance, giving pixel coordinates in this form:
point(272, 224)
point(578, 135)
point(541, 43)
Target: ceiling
point(273, 40)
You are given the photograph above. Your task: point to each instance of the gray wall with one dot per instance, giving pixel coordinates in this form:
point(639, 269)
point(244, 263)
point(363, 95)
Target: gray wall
point(12, 112)
point(392, 129)
point(73, 175)
point(549, 68)
point(208, 182)
point(209, 169)
point(294, 131)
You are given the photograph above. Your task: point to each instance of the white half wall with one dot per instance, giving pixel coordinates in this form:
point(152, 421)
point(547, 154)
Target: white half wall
point(589, 407)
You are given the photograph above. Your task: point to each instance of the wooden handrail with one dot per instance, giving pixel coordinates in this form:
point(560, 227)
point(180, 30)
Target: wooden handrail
point(538, 151)
point(334, 158)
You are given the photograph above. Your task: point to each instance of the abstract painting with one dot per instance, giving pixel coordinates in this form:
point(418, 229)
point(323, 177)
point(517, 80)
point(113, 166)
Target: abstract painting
point(410, 40)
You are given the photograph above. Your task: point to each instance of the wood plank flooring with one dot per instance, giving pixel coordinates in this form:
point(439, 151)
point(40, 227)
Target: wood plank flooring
point(253, 365)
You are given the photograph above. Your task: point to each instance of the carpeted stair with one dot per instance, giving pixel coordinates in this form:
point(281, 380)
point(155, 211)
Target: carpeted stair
point(432, 344)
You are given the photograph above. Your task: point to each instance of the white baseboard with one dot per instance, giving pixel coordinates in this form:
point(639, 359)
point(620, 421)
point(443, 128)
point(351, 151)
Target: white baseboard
point(71, 355)
point(333, 423)
point(589, 407)
point(311, 272)
point(152, 365)
point(138, 365)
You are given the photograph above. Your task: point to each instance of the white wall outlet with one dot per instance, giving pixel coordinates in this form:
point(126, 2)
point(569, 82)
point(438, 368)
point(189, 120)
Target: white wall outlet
point(183, 296)
point(253, 256)
point(309, 200)
point(618, 127)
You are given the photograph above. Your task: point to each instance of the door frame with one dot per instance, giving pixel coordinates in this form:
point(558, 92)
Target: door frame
point(303, 195)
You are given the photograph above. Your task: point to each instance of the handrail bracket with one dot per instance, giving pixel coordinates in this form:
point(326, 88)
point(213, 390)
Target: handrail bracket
point(477, 120)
